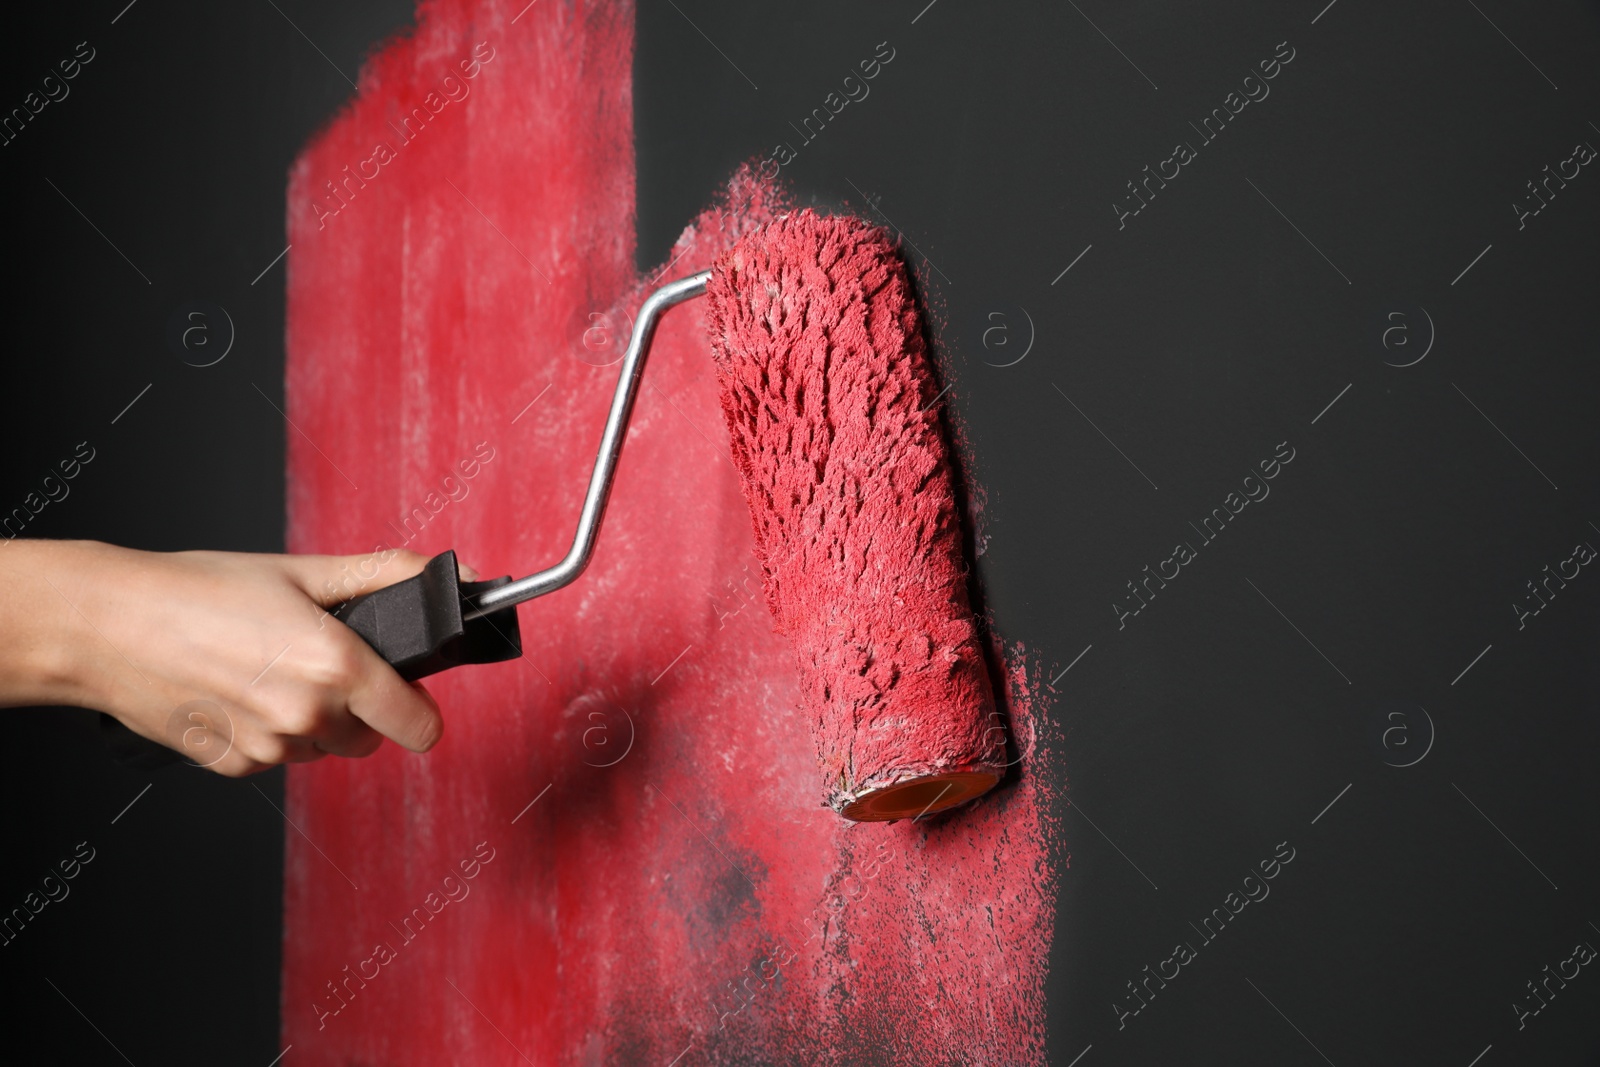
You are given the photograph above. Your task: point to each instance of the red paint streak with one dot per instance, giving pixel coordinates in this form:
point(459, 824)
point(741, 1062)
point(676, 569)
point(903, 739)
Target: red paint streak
point(827, 392)
point(689, 897)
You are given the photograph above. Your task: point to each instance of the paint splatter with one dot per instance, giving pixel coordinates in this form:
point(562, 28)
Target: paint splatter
point(663, 882)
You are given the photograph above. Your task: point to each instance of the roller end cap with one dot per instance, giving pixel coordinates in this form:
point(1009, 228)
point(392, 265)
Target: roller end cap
point(913, 798)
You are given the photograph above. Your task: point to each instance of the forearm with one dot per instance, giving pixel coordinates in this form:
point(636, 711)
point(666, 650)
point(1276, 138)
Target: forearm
point(43, 631)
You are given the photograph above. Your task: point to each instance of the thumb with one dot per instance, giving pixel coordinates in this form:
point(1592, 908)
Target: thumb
point(331, 580)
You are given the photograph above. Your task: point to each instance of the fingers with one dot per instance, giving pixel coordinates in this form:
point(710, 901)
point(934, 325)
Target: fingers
point(377, 697)
point(402, 711)
point(259, 750)
point(235, 754)
point(356, 681)
point(331, 580)
point(333, 689)
point(258, 739)
point(239, 763)
point(330, 693)
point(348, 736)
point(269, 750)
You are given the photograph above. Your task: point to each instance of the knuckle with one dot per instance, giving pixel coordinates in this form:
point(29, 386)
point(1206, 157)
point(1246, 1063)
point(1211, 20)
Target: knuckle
point(335, 661)
point(262, 750)
point(302, 718)
point(236, 765)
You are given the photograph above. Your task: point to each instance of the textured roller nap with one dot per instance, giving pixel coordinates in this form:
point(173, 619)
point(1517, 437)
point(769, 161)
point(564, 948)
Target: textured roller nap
point(828, 395)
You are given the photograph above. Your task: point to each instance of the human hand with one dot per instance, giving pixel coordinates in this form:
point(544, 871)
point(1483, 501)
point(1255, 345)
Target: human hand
point(142, 634)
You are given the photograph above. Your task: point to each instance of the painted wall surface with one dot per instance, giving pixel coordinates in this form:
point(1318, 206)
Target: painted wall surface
point(617, 854)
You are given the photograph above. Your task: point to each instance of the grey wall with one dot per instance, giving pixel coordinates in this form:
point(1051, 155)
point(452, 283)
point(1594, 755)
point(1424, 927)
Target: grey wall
point(1320, 640)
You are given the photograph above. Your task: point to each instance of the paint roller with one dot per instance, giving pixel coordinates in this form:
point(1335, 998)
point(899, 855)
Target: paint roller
point(829, 399)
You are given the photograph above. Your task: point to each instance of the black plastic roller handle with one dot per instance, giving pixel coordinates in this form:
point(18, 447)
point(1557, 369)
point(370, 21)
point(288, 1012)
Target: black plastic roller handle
point(415, 625)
